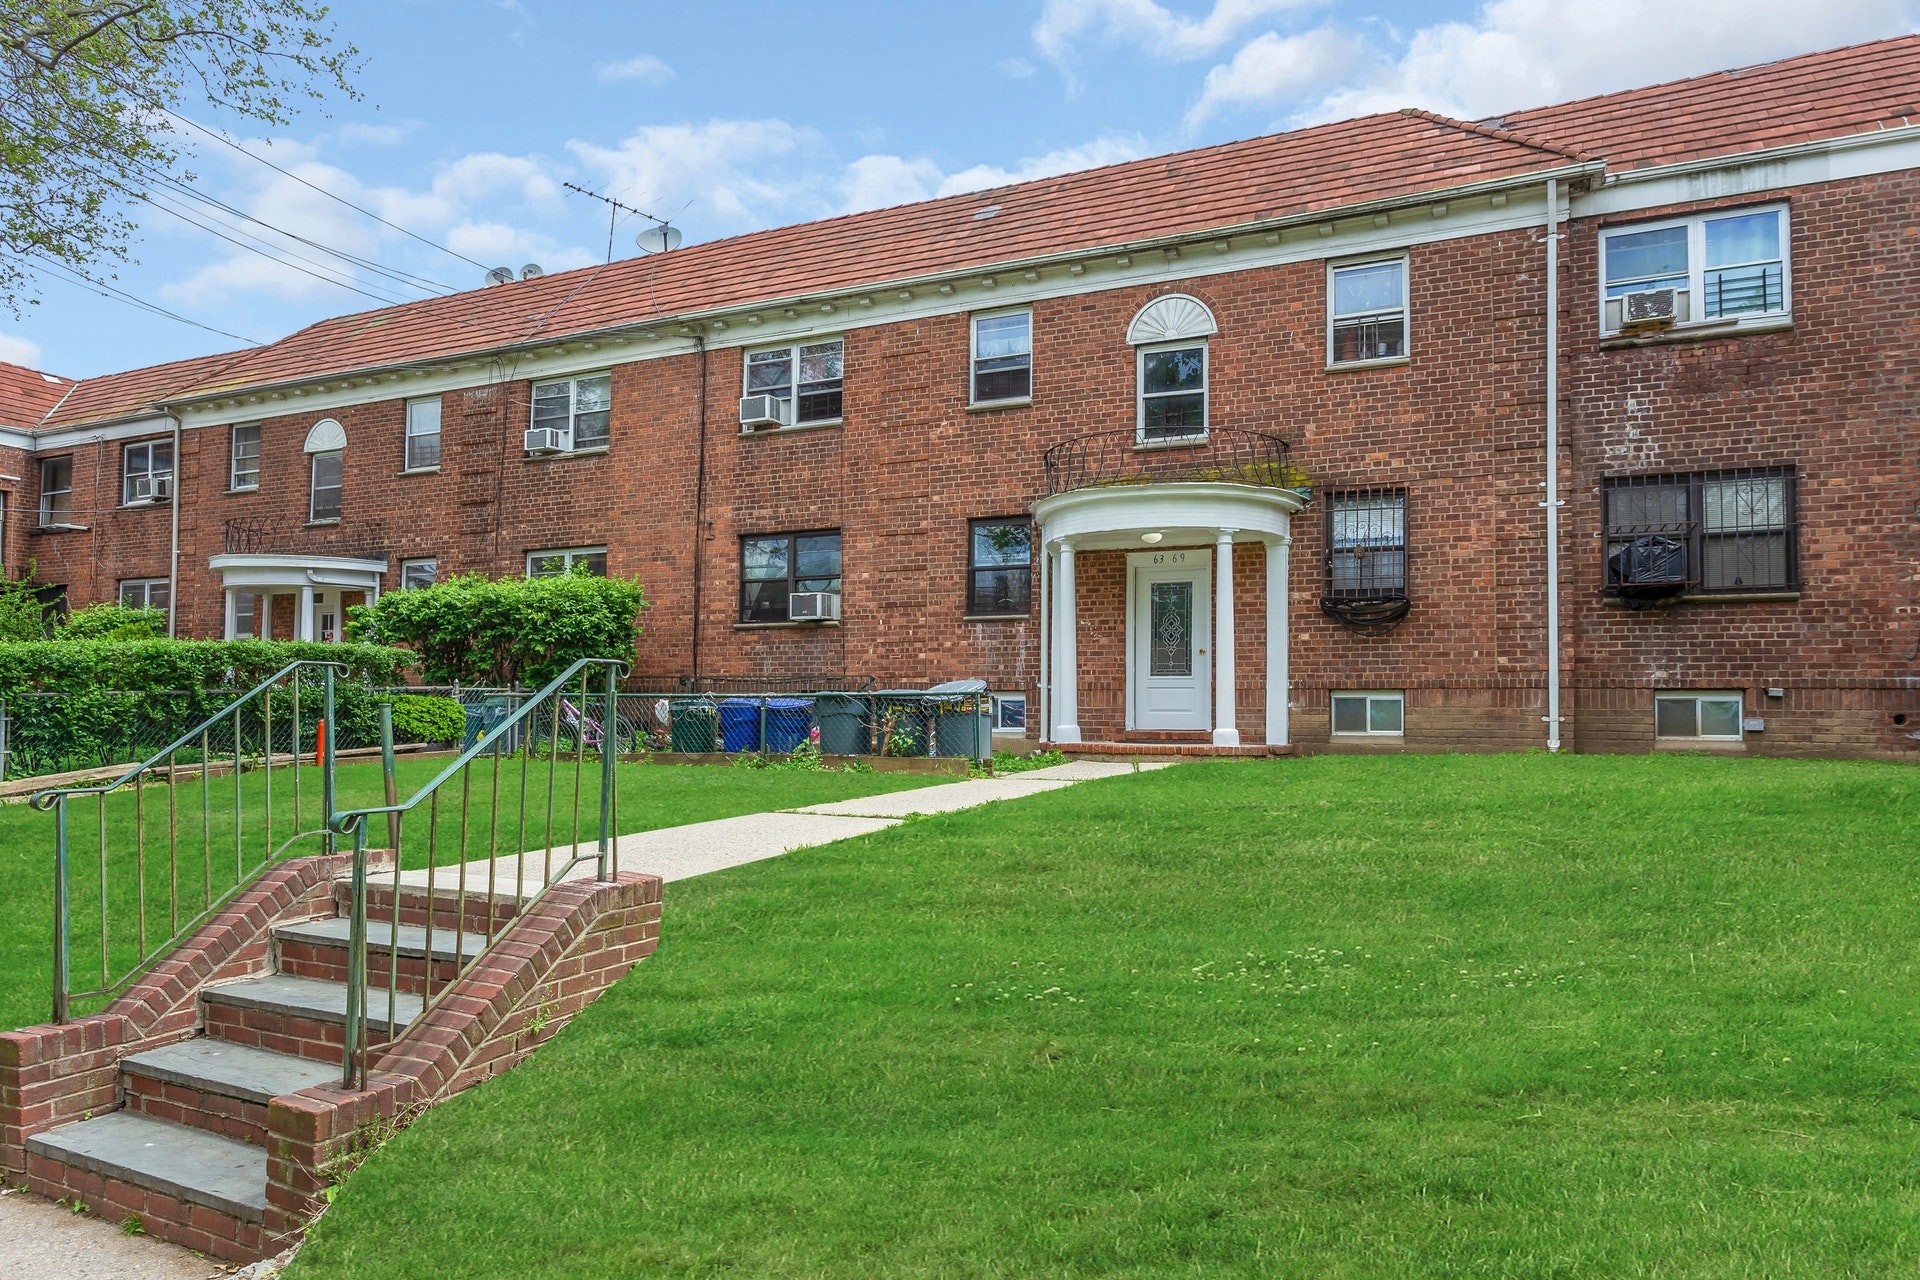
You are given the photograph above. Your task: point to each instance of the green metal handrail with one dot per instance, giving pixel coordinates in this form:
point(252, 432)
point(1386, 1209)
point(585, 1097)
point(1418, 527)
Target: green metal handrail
point(164, 767)
point(543, 720)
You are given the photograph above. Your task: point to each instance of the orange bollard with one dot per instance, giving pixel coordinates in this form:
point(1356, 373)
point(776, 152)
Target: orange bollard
point(320, 743)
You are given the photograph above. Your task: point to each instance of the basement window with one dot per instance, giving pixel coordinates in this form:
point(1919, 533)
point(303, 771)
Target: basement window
point(1702, 717)
point(1376, 714)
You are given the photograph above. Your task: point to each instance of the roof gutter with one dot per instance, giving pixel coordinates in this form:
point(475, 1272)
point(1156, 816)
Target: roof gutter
point(640, 328)
point(1822, 146)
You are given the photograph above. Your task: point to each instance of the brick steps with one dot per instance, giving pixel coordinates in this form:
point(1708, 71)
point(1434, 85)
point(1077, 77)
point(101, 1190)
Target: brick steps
point(318, 949)
point(214, 1085)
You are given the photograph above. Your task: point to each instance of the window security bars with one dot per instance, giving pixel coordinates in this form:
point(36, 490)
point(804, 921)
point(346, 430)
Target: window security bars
point(1705, 533)
point(124, 851)
point(1366, 541)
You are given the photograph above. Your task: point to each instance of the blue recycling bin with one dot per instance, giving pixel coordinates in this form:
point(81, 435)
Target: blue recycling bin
point(739, 724)
point(789, 723)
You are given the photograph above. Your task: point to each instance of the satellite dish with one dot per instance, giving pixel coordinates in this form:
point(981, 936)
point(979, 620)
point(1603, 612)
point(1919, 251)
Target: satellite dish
point(501, 275)
point(532, 271)
point(660, 239)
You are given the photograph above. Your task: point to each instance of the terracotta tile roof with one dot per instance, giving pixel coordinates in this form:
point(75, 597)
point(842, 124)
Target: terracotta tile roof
point(1373, 158)
point(26, 395)
point(1821, 95)
point(120, 395)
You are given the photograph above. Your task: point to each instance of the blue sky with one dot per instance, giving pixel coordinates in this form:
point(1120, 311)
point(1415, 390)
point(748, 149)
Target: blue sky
point(729, 117)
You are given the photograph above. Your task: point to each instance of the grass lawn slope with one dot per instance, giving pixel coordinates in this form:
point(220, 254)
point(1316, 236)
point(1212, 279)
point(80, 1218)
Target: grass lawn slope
point(1418, 1016)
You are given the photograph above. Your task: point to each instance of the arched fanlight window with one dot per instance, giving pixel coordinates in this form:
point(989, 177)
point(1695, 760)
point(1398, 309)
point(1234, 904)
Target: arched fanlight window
point(326, 446)
point(1169, 336)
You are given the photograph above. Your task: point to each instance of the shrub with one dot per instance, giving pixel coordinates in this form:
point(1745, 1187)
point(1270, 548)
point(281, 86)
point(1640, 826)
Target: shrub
point(113, 622)
point(424, 719)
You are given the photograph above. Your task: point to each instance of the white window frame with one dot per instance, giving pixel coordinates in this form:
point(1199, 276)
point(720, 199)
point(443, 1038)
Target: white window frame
point(1396, 696)
point(235, 483)
point(1140, 392)
point(148, 472)
point(792, 398)
point(572, 384)
point(1405, 310)
point(973, 356)
point(407, 567)
point(1000, 702)
point(143, 589)
point(408, 462)
point(1696, 697)
point(314, 488)
point(48, 508)
point(569, 557)
point(1695, 292)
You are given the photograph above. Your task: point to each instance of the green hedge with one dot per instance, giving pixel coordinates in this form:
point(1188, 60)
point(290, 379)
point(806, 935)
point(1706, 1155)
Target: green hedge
point(417, 718)
point(120, 701)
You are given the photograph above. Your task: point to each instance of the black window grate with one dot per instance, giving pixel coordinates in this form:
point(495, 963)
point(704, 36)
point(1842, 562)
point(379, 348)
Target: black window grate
point(1701, 533)
point(1366, 559)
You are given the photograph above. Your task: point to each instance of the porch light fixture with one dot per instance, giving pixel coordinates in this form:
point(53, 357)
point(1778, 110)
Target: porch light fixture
point(1151, 538)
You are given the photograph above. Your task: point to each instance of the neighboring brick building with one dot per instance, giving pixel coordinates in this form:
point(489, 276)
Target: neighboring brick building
point(1018, 433)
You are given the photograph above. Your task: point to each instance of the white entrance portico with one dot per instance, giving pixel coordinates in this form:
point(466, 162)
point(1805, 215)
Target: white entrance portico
point(318, 582)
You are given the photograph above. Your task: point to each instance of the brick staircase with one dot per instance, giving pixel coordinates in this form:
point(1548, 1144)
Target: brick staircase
point(206, 1102)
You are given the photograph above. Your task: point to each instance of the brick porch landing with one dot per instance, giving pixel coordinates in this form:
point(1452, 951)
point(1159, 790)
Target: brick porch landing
point(1125, 749)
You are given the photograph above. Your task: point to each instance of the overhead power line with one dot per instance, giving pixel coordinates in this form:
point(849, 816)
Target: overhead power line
point(81, 279)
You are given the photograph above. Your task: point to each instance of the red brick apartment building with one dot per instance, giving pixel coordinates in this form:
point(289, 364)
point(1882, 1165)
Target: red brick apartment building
point(1248, 445)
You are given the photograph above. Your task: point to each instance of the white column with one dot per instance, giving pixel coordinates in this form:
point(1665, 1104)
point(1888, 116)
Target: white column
point(1225, 733)
point(1066, 655)
point(303, 621)
point(1044, 718)
point(266, 615)
point(233, 614)
point(1278, 681)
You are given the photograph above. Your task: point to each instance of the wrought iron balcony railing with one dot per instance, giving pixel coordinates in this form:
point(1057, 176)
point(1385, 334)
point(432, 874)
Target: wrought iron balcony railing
point(275, 536)
point(1221, 455)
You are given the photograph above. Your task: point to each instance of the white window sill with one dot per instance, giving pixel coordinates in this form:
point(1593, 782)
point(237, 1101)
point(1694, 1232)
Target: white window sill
point(1356, 366)
point(823, 424)
point(1169, 442)
point(243, 488)
point(60, 528)
point(1718, 746)
point(996, 617)
point(1693, 330)
point(323, 523)
point(783, 626)
point(994, 406)
point(420, 471)
point(588, 452)
point(1367, 737)
point(145, 504)
point(1717, 597)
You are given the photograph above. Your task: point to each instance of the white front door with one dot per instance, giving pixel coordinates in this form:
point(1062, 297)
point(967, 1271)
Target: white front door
point(1169, 630)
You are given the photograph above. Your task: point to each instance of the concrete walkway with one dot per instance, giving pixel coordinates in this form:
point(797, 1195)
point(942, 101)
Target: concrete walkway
point(43, 1240)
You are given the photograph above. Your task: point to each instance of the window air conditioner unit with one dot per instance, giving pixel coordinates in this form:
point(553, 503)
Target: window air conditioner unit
point(546, 440)
point(759, 413)
point(814, 606)
point(162, 488)
point(139, 491)
point(1650, 308)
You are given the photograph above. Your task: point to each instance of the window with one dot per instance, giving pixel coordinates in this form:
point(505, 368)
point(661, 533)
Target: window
point(423, 435)
point(816, 369)
point(1367, 545)
point(1367, 312)
point(56, 491)
point(1715, 717)
point(774, 566)
point(1724, 531)
point(325, 503)
point(1000, 566)
point(1173, 392)
point(1002, 357)
point(581, 409)
point(1724, 266)
point(418, 573)
point(1009, 712)
point(143, 467)
point(1370, 715)
point(563, 560)
point(145, 593)
point(243, 451)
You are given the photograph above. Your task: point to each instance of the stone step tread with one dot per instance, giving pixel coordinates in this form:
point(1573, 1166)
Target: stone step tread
point(311, 998)
point(230, 1070)
point(188, 1164)
point(332, 931)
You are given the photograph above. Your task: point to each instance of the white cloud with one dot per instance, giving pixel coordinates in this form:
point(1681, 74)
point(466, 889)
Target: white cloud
point(511, 246)
point(1525, 53)
point(1015, 68)
point(736, 174)
point(875, 181)
point(377, 135)
point(1150, 26)
point(1275, 68)
point(15, 350)
point(643, 68)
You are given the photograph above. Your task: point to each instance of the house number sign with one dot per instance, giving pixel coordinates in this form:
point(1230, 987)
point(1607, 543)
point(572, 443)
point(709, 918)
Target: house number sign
point(1169, 557)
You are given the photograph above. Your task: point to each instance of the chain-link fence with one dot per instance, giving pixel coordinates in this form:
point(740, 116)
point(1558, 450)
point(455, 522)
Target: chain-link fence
point(885, 722)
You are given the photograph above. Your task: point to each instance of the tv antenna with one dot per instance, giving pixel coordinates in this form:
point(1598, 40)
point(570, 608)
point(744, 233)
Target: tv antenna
point(661, 237)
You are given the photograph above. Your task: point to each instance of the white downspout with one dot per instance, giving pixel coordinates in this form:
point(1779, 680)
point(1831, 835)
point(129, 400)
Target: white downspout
point(1552, 501)
point(173, 546)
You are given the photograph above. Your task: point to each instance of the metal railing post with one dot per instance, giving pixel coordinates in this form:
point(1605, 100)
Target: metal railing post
point(353, 1069)
point(609, 747)
point(332, 732)
point(61, 980)
point(386, 769)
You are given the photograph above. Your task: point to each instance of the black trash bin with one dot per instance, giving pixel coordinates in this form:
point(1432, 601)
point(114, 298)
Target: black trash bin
point(693, 725)
point(843, 724)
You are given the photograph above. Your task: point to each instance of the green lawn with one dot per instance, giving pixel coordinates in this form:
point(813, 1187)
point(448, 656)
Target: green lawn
point(1333, 1017)
point(650, 797)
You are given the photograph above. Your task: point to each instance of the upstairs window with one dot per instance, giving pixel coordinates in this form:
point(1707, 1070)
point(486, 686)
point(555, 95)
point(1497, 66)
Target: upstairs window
point(146, 472)
point(1716, 267)
point(564, 560)
point(243, 457)
point(56, 491)
point(1003, 357)
point(774, 566)
point(1726, 532)
point(1169, 336)
point(580, 409)
point(809, 377)
point(1000, 566)
point(1367, 312)
point(327, 486)
point(423, 435)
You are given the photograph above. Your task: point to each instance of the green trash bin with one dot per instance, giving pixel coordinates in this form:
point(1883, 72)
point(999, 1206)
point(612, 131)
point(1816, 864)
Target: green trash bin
point(842, 718)
point(962, 720)
point(693, 725)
